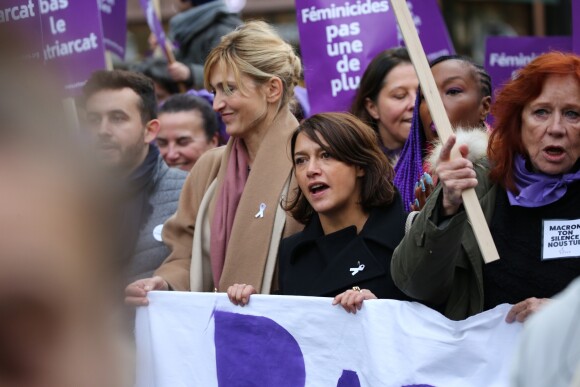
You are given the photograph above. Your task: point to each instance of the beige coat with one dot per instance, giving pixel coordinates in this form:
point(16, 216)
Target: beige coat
point(253, 246)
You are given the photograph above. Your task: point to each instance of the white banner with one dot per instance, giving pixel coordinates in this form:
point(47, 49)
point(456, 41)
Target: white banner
point(201, 339)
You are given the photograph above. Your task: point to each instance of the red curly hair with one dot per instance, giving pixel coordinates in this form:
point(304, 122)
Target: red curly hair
point(506, 139)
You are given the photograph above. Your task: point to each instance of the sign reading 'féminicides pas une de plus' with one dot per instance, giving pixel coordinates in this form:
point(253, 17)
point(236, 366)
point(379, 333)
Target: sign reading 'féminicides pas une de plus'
point(339, 39)
point(505, 55)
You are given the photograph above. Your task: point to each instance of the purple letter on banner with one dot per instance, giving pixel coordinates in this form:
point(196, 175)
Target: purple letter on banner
point(114, 18)
point(20, 19)
point(348, 379)
point(255, 350)
point(73, 40)
point(339, 38)
point(576, 26)
point(505, 55)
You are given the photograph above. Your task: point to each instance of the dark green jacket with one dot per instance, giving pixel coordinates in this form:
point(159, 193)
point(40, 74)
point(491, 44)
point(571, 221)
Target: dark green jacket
point(443, 265)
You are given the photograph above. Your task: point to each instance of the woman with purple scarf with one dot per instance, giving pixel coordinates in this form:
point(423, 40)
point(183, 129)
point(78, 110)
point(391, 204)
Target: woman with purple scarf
point(529, 190)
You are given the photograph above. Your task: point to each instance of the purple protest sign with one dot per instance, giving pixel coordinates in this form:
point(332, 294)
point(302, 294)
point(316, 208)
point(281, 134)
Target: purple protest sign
point(504, 55)
point(72, 44)
point(576, 26)
point(431, 27)
point(114, 18)
point(20, 19)
point(154, 24)
point(336, 47)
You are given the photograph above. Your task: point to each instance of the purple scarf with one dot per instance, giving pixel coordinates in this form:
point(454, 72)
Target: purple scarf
point(226, 207)
point(538, 189)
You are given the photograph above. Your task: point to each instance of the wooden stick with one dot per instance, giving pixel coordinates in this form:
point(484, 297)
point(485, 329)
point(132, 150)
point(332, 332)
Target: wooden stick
point(171, 59)
point(157, 8)
point(168, 51)
point(431, 92)
point(108, 60)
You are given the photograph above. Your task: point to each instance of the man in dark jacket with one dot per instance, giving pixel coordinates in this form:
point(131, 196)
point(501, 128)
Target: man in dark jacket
point(121, 116)
point(196, 29)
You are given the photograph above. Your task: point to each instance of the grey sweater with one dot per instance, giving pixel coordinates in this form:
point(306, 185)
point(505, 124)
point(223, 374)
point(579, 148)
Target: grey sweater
point(150, 252)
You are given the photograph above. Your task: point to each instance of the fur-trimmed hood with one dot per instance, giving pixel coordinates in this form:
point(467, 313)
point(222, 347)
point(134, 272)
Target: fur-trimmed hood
point(476, 140)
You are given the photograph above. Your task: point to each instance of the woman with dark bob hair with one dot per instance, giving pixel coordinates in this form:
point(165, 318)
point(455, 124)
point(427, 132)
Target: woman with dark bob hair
point(353, 214)
point(529, 190)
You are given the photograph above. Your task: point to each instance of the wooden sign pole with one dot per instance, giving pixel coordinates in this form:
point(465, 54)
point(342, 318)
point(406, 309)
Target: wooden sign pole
point(431, 92)
point(108, 60)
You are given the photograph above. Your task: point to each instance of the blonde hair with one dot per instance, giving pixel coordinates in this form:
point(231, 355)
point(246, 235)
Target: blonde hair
point(255, 50)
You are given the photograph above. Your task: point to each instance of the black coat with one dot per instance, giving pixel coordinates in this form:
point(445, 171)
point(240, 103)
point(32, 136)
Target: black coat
point(312, 264)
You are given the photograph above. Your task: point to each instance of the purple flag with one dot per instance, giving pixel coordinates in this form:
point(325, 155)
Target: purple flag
point(339, 38)
point(576, 26)
point(73, 44)
point(431, 27)
point(504, 55)
point(21, 19)
point(154, 24)
point(114, 18)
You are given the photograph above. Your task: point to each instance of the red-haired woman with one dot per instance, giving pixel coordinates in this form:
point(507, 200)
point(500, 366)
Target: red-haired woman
point(530, 195)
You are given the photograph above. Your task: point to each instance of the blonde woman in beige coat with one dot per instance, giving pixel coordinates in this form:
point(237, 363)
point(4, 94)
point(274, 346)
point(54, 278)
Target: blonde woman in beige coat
point(217, 237)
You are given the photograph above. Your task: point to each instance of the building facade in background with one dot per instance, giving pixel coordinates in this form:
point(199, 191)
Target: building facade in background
point(469, 22)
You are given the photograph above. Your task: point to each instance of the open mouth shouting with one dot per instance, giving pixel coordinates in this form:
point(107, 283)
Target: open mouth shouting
point(554, 153)
point(317, 189)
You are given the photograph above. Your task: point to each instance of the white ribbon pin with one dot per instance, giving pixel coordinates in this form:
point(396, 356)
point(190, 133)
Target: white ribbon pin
point(355, 270)
point(260, 213)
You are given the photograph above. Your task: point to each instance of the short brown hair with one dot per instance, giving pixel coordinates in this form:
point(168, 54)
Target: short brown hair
point(352, 142)
point(120, 79)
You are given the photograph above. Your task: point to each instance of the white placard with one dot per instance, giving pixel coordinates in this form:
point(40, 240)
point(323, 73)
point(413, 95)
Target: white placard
point(561, 239)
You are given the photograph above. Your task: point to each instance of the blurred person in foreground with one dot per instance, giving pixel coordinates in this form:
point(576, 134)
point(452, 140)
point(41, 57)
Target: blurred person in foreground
point(548, 354)
point(228, 226)
point(188, 128)
point(120, 114)
point(529, 183)
point(58, 324)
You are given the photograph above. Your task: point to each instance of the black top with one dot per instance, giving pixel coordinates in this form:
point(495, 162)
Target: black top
point(517, 231)
point(314, 264)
